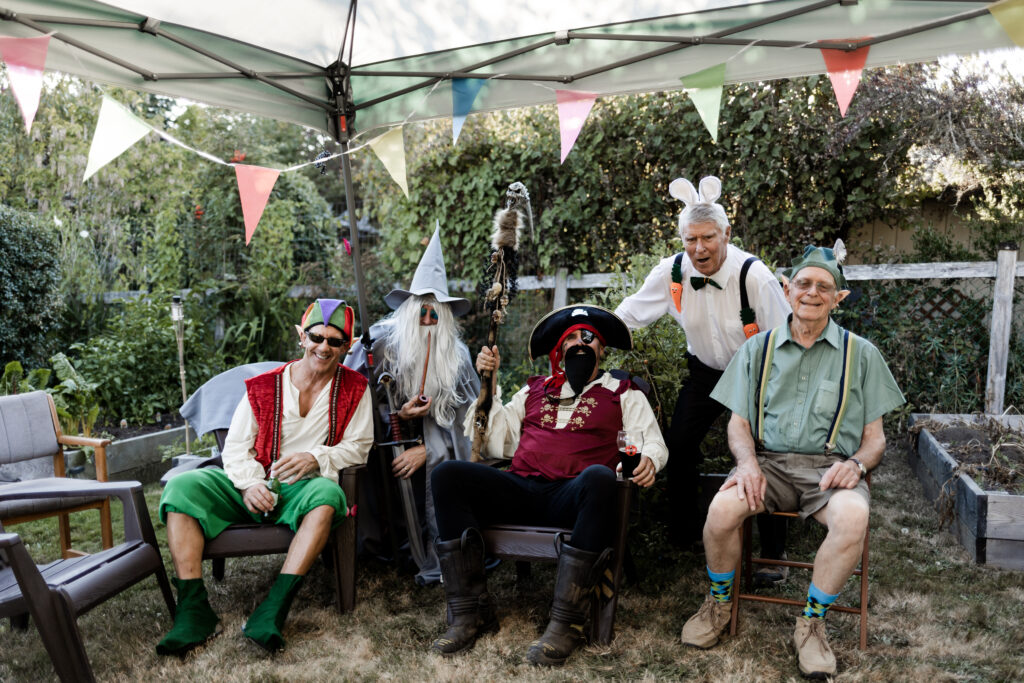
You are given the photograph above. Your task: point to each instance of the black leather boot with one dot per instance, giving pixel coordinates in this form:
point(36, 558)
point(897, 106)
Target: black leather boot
point(578, 572)
point(470, 611)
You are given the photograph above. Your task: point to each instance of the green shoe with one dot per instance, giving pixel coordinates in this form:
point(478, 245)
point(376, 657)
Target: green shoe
point(265, 623)
point(195, 622)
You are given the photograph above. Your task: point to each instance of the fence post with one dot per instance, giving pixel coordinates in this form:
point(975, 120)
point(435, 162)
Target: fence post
point(999, 333)
point(561, 297)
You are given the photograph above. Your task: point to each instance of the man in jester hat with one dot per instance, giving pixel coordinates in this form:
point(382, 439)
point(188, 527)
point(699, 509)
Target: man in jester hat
point(807, 401)
point(561, 434)
point(298, 424)
point(434, 385)
point(720, 295)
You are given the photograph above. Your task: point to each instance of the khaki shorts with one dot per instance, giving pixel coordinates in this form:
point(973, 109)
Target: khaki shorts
point(793, 480)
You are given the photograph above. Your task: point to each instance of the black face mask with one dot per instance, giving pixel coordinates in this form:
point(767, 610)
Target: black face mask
point(580, 362)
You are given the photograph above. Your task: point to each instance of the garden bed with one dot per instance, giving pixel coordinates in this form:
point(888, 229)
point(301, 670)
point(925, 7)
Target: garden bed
point(951, 454)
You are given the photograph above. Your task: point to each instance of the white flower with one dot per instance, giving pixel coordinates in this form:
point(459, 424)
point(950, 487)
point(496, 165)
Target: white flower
point(58, 222)
point(83, 234)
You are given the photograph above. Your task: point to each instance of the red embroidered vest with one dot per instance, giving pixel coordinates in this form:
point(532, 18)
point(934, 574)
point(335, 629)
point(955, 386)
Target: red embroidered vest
point(588, 439)
point(266, 398)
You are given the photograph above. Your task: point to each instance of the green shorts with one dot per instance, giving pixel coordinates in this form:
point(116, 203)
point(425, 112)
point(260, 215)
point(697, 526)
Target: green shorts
point(209, 496)
point(793, 480)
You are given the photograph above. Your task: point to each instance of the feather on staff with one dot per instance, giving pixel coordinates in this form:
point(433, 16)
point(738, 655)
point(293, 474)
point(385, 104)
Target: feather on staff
point(502, 273)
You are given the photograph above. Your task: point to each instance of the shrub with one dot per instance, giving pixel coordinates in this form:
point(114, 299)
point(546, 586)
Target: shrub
point(29, 276)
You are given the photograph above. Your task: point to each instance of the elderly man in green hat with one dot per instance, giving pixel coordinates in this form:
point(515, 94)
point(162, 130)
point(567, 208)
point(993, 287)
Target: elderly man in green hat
point(807, 400)
point(294, 429)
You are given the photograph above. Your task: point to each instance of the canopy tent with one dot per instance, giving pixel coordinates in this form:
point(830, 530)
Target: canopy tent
point(289, 61)
point(327, 64)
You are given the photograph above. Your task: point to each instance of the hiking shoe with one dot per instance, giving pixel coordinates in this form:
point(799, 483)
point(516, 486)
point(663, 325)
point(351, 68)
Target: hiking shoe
point(703, 628)
point(768, 575)
point(813, 654)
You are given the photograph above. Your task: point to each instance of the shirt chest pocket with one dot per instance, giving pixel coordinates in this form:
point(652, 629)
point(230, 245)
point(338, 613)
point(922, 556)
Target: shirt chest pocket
point(826, 397)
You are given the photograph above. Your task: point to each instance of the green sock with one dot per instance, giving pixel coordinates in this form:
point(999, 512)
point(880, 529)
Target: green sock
point(264, 625)
point(194, 620)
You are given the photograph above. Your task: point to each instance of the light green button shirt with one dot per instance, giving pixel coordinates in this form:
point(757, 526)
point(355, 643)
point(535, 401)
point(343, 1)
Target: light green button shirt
point(803, 390)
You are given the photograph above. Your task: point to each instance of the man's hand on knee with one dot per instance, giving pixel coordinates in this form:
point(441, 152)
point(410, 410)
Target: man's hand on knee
point(749, 482)
point(842, 475)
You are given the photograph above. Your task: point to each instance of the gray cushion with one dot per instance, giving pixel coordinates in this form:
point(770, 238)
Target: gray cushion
point(26, 427)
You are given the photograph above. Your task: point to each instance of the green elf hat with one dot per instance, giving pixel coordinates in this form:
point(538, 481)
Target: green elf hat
point(331, 312)
point(821, 257)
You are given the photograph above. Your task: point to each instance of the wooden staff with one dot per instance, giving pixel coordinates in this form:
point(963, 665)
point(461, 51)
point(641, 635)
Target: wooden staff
point(504, 265)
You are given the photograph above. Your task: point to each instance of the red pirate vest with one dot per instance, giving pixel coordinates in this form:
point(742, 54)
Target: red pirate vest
point(588, 438)
point(266, 398)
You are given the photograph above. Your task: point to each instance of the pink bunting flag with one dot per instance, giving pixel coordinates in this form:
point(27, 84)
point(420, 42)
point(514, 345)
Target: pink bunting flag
point(347, 245)
point(25, 58)
point(254, 186)
point(573, 109)
point(844, 70)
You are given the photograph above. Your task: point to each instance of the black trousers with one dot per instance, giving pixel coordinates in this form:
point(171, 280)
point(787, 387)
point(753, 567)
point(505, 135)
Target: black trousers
point(694, 414)
point(469, 494)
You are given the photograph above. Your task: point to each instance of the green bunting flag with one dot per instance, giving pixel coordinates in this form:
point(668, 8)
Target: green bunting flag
point(705, 89)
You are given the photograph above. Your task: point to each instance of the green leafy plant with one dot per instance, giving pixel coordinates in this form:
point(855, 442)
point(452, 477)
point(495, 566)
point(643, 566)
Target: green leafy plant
point(15, 381)
point(75, 398)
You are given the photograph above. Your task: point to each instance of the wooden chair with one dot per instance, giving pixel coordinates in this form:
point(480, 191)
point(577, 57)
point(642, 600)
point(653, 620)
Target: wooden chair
point(55, 594)
point(31, 430)
point(242, 540)
point(523, 543)
point(744, 572)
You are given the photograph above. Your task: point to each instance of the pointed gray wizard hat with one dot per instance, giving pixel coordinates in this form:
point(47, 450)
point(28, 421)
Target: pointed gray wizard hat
point(430, 278)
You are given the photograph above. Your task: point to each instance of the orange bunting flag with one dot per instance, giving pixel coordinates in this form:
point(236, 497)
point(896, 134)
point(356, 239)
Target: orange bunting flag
point(844, 70)
point(254, 186)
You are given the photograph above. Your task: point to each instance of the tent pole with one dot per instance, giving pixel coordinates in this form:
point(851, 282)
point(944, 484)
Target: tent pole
point(357, 261)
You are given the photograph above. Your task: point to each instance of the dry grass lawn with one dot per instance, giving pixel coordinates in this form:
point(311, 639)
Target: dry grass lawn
point(934, 617)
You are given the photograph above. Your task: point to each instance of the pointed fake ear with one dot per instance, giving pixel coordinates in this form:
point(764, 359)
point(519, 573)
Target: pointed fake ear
point(298, 329)
point(710, 189)
point(683, 190)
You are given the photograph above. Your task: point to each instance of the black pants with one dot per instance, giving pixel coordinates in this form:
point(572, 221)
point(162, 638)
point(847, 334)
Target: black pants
point(468, 494)
point(695, 412)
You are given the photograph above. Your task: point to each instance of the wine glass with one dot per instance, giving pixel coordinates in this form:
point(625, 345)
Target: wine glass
point(631, 445)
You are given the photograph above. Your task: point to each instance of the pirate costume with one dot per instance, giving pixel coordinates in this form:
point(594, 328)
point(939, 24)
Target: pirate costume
point(560, 433)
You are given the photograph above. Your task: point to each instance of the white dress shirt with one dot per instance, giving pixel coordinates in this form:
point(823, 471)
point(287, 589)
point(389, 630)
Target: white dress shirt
point(298, 434)
point(710, 316)
point(505, 423)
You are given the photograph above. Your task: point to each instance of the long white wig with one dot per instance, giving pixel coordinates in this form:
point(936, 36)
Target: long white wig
point(405, 349)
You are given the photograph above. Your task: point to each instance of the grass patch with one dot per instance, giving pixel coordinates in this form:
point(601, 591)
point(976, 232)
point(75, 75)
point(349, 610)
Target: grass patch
point(935, 616)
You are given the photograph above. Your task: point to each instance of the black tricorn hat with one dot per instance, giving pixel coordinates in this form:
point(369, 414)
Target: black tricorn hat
point(550, 328)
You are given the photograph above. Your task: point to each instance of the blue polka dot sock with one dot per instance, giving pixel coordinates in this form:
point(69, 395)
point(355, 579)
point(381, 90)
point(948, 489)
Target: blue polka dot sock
point(721, 585)
point(818, 602)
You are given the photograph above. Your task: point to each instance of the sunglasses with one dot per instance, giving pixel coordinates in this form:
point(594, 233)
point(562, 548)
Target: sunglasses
point(334, 342)
point(433, 313)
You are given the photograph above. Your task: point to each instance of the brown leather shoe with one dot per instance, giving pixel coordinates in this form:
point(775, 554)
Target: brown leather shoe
point(704, 628)
point(812, 651)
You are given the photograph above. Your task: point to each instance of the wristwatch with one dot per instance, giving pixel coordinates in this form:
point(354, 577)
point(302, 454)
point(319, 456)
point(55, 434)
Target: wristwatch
point(863, 470)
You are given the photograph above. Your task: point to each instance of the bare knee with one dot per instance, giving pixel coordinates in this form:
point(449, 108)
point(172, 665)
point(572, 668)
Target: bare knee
point(725, 514)
point(847, 517)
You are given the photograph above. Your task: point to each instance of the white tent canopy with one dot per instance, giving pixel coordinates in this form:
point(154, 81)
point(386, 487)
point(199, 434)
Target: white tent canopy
point(285, 60)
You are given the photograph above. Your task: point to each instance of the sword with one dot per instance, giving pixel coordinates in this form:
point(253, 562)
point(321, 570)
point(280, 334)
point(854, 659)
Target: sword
point(398, 446)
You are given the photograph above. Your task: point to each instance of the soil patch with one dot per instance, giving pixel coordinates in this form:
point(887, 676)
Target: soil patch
point(126, 431)
point(990, 452)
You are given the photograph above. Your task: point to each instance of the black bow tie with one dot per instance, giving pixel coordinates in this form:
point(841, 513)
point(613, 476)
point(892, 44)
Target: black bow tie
point(699, 282)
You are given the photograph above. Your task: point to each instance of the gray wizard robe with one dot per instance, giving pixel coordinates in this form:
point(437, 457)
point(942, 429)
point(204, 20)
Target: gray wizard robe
point(441, 443)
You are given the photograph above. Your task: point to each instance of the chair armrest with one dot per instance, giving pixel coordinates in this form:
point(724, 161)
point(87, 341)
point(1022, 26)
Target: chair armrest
point(128, 492)
point(348, 479)
point(101, 451)
point(8, 540)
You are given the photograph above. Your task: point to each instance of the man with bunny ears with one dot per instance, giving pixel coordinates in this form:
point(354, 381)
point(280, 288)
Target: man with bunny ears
point(720, 295)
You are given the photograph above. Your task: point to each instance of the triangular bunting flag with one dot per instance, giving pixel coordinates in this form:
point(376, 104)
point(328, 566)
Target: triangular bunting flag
point(705, 90)
point(844, 69)
point(573, 109)
point(254, 186)
point(1010, 15)
point(390, 149)
point(25, 58)
point(117, 129)
point(464, 92)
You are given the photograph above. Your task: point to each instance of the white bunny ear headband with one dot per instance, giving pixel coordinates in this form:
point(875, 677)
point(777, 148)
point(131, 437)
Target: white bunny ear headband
point(683, 190)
